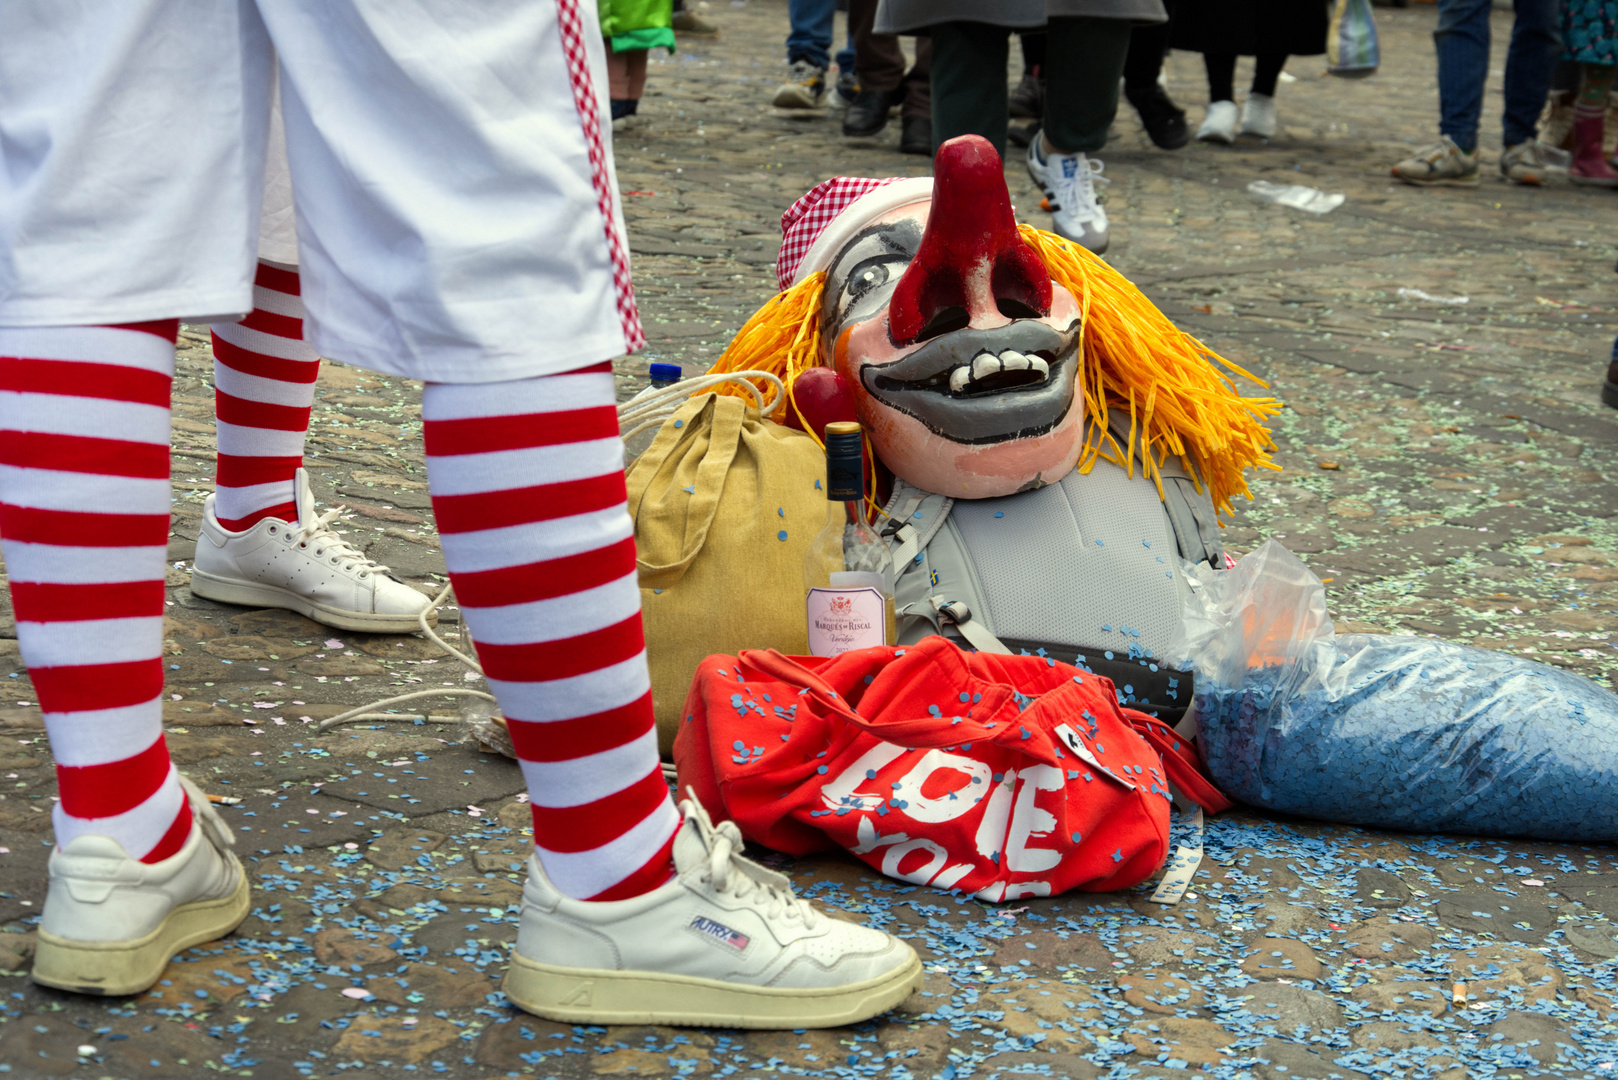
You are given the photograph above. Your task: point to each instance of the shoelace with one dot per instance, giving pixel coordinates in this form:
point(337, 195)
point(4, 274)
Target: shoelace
point(318, 532)
point(1083, 189)
point(727, 875)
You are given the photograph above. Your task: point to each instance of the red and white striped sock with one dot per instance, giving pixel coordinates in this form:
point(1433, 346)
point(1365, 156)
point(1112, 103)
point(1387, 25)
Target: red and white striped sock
point(84, 518)
point(527, 482)
point(264, 388)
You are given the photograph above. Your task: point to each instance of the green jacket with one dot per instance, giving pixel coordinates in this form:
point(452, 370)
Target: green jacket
point(637, 24)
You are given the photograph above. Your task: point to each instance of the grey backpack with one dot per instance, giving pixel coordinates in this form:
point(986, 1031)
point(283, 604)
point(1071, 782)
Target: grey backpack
point(1086, 570)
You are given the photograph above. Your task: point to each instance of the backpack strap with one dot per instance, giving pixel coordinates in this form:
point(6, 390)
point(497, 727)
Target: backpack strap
point(976, 634)
point(914, 518)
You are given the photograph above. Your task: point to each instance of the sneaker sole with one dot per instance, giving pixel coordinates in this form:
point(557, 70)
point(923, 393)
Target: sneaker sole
point(1440, 181)
point(582, 995)
point(258, 595)
point(113, 968)
point(785, 99)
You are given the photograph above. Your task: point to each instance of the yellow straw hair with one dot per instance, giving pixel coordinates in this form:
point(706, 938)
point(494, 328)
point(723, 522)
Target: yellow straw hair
point(782, 337)
point(1134, 359)
point(1180, 405)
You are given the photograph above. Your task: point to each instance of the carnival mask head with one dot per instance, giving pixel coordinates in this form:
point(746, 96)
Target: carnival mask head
point(959, 351)
point(982, 358)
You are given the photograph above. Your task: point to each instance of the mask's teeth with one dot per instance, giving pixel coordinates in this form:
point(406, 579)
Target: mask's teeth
point(1011, 360)
point(984, 366)
point(1040, 366)
point(959, 378)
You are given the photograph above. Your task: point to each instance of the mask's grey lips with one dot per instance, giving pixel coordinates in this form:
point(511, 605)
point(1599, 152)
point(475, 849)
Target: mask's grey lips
point(919, 384)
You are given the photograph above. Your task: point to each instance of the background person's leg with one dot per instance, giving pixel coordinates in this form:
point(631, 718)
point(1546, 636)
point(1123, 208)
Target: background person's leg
point(1530, 63)
point(1267, 68)
point(1221, 69)
point(1462, 44)
point(1258, 111)
point(264, 390)
point(1163, 120)
point(527, 483)
point(1084, 61)
point(811, 29)
point(969, 82)
point(879, 66)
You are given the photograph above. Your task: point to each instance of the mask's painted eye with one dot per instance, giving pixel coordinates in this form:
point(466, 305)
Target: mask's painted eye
point(868, 275)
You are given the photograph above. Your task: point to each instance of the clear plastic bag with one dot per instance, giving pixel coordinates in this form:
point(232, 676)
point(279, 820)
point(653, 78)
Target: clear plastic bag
point(1384, 730)
point(483, 728)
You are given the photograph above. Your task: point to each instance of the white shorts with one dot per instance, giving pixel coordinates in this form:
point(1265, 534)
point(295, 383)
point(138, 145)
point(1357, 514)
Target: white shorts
point(457, 217)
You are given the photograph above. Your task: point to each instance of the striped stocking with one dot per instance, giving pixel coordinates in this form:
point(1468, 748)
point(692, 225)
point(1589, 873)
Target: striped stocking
point(84, 517)
point(264, 388)
point(527, 484)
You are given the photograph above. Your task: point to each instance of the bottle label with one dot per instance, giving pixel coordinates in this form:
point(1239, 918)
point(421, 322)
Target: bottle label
point(844, 619)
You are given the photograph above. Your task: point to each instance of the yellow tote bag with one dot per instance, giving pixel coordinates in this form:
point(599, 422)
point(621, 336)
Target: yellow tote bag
point(725, 504)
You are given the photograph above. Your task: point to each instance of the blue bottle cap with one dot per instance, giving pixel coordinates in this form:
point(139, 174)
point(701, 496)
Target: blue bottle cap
point(664, 372)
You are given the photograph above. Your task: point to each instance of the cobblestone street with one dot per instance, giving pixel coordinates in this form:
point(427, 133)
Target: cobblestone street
point(1447, 469)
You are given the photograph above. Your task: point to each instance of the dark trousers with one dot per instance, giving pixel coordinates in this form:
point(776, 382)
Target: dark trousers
point(1462, 40)
point(879, 63)
point(1084, 61)
point(1147, 47)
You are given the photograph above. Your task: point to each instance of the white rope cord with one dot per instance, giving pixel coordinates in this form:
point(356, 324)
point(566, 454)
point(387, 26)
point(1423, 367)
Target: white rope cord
point(636, 416)
point(369, 712)
point(652, 409)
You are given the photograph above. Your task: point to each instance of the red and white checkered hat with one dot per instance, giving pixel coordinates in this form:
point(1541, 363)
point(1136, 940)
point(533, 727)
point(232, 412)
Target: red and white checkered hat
point(815, 228)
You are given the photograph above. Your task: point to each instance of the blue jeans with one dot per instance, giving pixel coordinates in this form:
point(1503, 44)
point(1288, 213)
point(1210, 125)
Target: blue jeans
point(1462, 39)
point(810, 38)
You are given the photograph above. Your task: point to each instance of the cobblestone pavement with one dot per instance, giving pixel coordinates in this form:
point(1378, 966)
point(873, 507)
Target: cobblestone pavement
point(1446, 466)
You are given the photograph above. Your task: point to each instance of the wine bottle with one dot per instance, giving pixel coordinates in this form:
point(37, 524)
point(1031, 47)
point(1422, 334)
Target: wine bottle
point(847, 570)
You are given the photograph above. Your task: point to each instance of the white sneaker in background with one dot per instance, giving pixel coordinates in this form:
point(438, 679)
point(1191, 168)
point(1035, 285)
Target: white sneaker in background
point(1076, 210)
point(111, 924)
point(1258, 116)
point(1220, 124)
point(724, 944)
point(304, 567)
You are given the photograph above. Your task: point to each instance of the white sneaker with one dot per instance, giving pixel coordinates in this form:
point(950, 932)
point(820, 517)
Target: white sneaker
point(1076, 212)
point(1258, 116)
point(724, 944)
point(111, 924)
point(305, 567)
point(1220, 124)
point(805, 87)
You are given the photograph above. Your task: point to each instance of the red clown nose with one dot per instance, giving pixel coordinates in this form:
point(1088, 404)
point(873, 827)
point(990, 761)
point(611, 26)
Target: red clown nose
point(971, 262)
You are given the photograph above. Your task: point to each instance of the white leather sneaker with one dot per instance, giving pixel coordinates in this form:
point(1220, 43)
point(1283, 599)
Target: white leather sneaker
point(1220, 124)
point(724, 944)
point(305, 567)
point(1258, 116)
point(111, 924)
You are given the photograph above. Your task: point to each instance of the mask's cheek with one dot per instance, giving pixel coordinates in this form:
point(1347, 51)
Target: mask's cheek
point(859, 346)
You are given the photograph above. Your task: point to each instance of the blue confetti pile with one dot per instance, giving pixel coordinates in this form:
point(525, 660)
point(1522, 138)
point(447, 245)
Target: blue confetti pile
point(1414, 733)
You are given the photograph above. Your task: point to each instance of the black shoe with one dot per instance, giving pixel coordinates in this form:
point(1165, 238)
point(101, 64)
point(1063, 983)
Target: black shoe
point(916, 135)
point(868, 114)
point(1163, 120)
point(1028, 98)
point(1022, 134)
